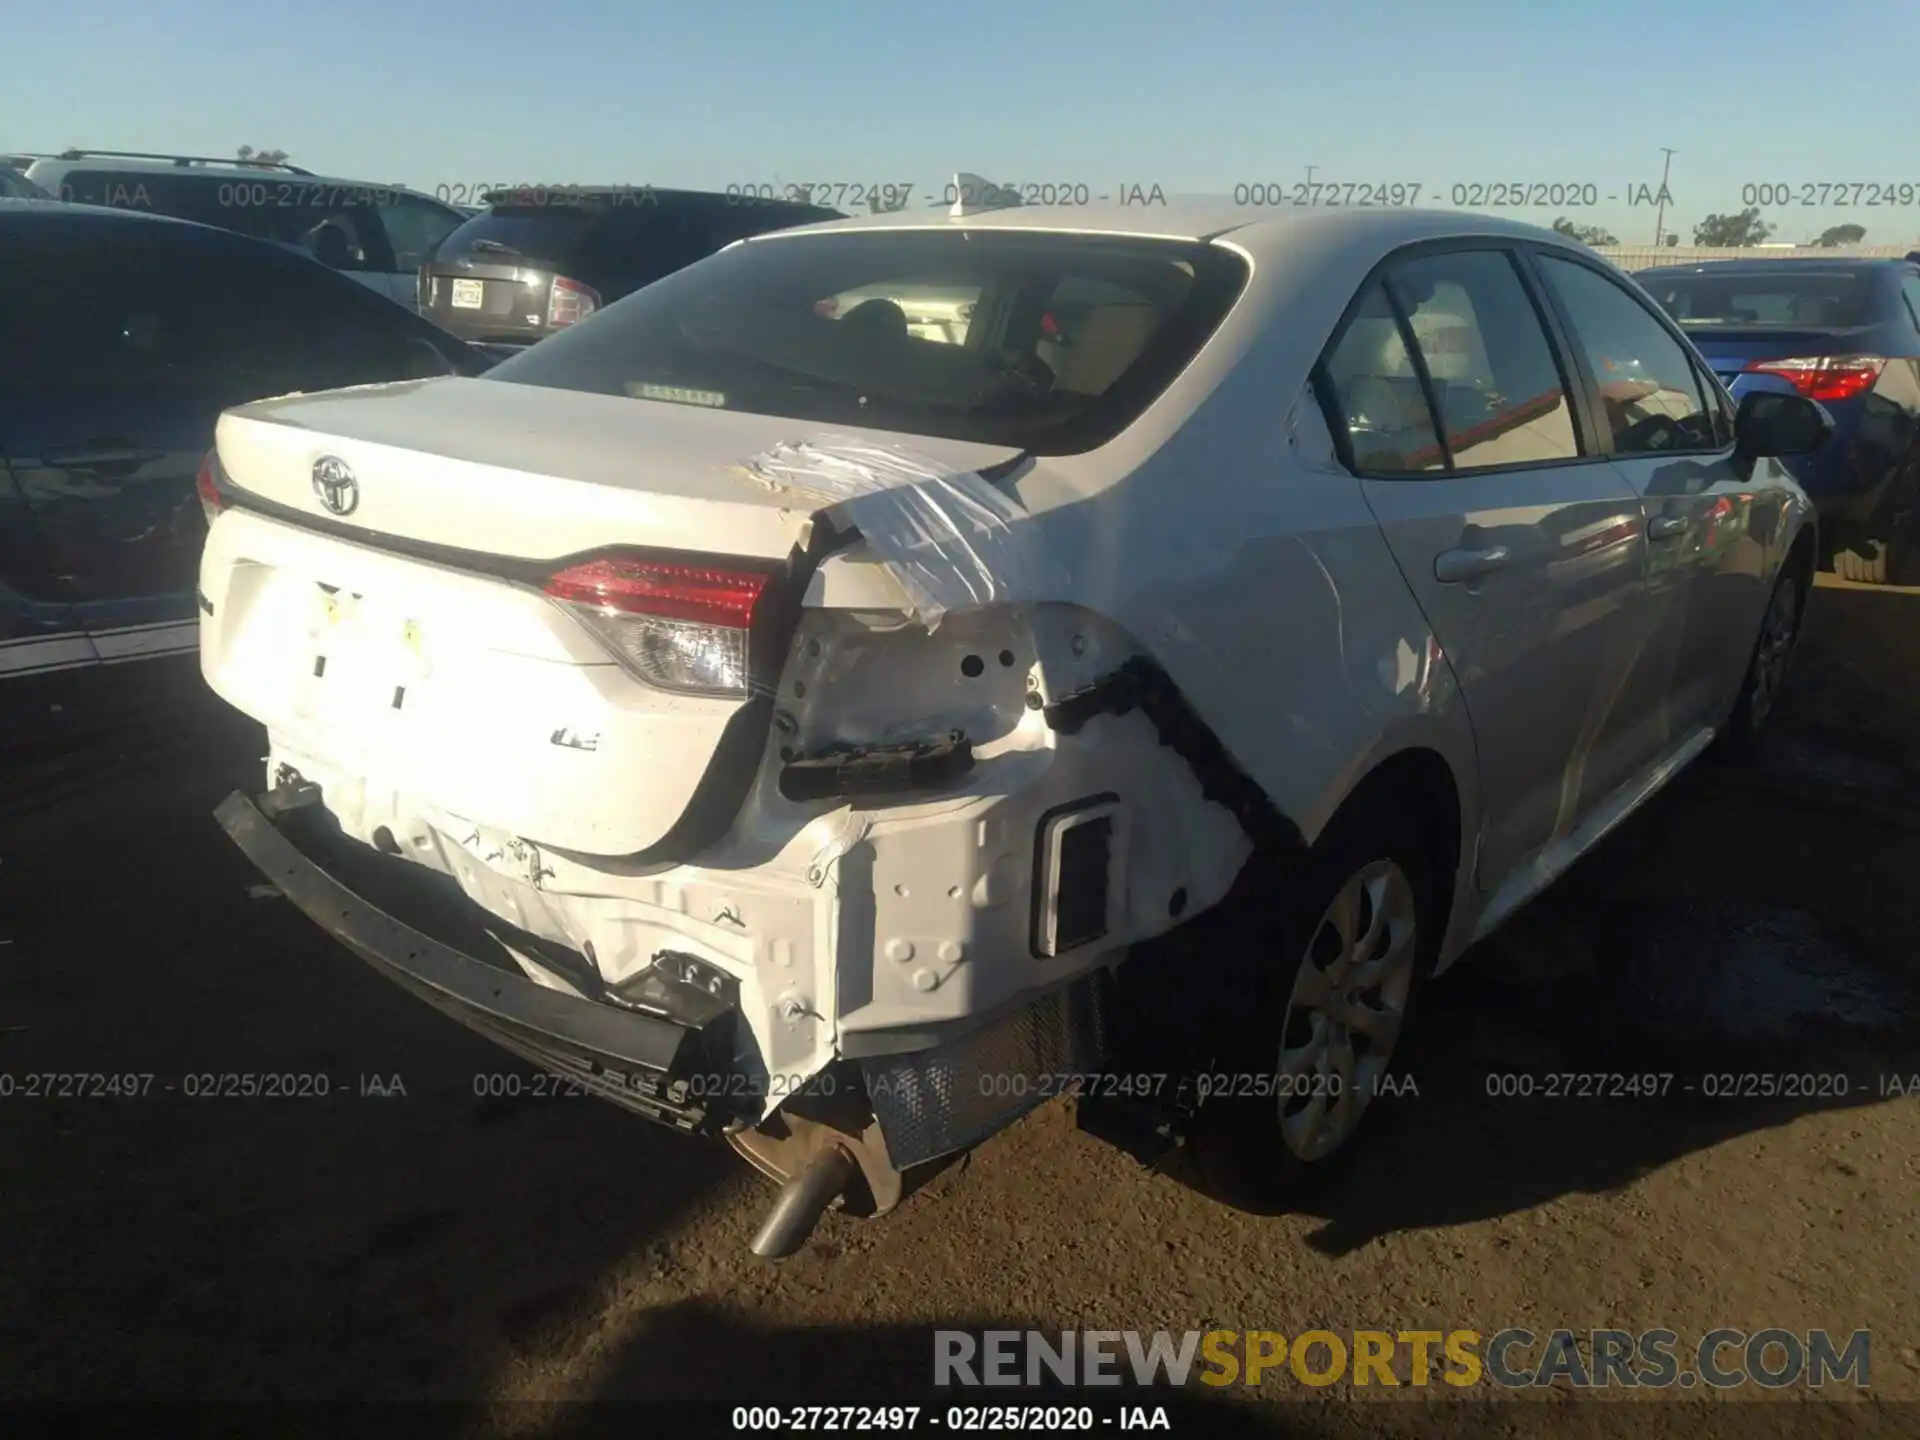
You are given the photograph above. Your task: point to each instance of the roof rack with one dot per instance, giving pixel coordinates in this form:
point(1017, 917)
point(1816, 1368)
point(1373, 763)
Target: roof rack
point(183, 161)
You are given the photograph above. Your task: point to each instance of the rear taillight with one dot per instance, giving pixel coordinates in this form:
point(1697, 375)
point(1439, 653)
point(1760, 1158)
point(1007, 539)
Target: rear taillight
point(1825, 377)
point(212, 501)
point(569, 302)
point(677, 626)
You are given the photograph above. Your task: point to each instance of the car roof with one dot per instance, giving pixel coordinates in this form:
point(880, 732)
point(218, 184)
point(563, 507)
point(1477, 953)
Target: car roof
point(1202, 218)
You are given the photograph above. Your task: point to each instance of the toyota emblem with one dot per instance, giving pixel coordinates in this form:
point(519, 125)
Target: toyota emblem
point(333, 482)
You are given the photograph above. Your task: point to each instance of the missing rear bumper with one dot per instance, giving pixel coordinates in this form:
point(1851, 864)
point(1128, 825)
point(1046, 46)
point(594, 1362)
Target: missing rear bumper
point(642, 1061)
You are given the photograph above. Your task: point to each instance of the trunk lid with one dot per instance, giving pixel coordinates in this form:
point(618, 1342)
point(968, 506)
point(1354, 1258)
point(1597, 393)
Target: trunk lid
point(476, 693)
point(527, 472)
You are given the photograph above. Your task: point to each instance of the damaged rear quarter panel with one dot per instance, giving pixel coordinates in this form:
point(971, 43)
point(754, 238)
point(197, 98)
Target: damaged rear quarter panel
point(1219, 538)
point(1219, 535)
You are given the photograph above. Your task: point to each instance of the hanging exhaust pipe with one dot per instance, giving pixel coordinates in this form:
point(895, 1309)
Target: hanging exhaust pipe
point(803, 1200)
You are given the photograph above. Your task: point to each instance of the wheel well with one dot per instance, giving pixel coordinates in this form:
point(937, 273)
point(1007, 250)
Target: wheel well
point(1421, 781)
point(1802, 558)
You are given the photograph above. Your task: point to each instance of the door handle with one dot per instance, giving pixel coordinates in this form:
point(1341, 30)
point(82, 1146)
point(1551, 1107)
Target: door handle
point(81, 456)
point(1450, 567)
point(1666, 527)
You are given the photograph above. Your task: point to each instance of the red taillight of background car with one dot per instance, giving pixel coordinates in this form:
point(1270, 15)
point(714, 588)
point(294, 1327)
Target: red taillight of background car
point(569, 302)
point(1825, 377)
point(212, 501)
point(678, 626)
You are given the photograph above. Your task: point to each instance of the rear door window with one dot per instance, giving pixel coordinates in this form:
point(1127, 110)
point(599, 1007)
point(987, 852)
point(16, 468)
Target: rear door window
point(1375, 396)
point(337, 225)
point(1501, 397)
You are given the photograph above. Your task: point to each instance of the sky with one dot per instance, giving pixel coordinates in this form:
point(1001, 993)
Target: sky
point(1092, 97)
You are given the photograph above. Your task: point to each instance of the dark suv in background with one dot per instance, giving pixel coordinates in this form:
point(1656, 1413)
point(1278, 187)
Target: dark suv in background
point(538, 260)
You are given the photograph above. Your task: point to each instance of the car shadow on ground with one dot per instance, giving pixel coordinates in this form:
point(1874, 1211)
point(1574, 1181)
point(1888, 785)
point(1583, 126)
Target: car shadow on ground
point(384, 1224)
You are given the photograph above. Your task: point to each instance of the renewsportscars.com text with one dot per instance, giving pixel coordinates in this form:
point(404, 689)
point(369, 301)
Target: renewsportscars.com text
point(1511, 1359)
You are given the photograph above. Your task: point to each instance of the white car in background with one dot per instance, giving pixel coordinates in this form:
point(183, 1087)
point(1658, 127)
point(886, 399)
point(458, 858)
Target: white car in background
point(837, 728)
point(378, 234)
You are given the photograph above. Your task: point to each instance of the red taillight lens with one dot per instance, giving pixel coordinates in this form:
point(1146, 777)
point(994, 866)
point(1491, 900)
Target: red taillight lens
point(211, 500)
point(569, 302)
point(1825, 377)
point(677, 626)
point(706, 595)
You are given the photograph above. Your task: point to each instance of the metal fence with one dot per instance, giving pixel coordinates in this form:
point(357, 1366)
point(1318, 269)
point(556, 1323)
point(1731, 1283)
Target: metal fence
point(1641, 257)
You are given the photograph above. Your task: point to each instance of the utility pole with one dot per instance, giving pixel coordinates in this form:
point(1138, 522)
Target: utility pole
point(1660, 214)
point(1310, 170)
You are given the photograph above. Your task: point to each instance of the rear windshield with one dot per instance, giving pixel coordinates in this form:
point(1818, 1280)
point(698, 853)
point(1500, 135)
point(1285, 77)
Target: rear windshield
point(1797, 298)
point(1052, 343)
point(547, 234)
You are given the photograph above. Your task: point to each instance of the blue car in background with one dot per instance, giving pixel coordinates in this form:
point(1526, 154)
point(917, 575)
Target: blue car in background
point(1845, 332)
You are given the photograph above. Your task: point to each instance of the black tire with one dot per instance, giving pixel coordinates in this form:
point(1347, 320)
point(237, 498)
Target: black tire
point(1767, 665)
point(1866, 562)
point(1241, 1143)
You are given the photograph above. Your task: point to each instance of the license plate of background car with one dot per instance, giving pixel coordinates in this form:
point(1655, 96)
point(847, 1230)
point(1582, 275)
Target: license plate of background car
point(469, 294)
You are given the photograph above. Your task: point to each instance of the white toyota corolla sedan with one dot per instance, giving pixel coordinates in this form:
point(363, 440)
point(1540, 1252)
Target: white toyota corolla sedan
point(842, 734)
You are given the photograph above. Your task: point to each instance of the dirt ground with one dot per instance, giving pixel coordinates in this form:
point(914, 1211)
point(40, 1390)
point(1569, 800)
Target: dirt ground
point(509, 1254)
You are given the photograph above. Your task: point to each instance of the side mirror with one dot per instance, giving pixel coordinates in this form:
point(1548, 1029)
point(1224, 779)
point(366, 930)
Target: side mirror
point(1770, 424)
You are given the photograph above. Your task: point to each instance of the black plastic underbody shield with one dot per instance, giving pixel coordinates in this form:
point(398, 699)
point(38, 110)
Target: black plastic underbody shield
point(878, 770)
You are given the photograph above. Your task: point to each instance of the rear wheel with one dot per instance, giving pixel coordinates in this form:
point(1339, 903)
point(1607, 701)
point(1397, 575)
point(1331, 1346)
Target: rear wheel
point(1339, 970)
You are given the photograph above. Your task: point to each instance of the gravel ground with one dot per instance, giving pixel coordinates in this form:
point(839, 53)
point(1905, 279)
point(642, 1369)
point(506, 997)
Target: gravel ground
point(507, 1255)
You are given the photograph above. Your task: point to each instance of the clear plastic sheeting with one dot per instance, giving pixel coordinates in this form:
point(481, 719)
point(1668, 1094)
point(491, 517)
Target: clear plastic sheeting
point(950, 537)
